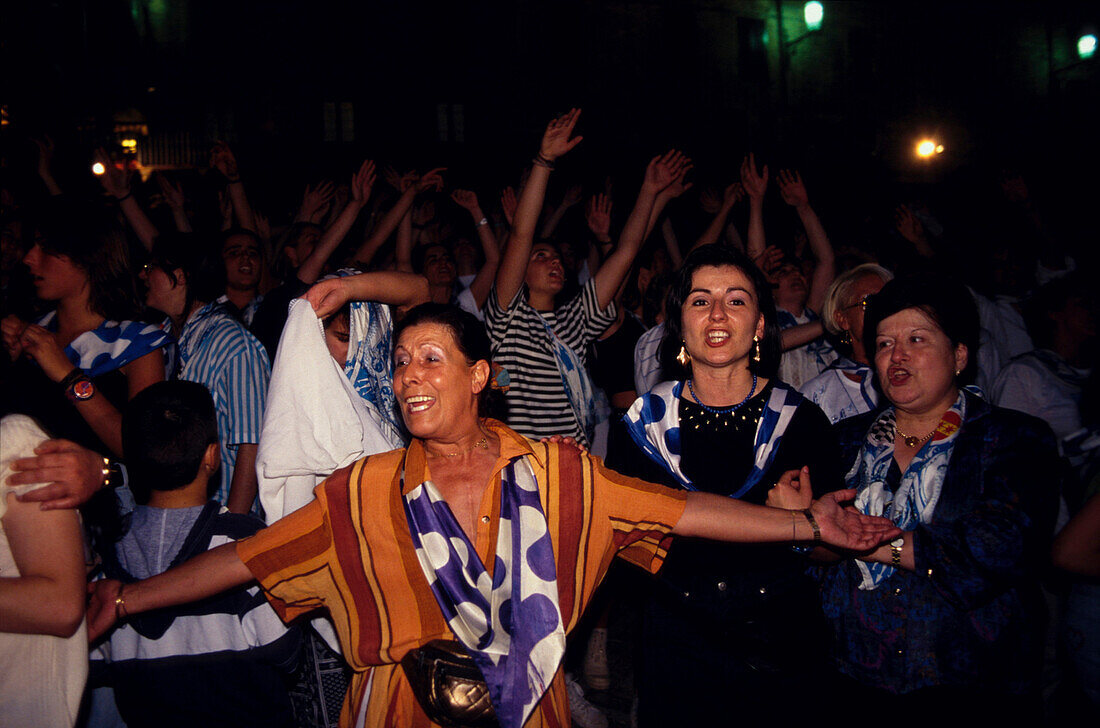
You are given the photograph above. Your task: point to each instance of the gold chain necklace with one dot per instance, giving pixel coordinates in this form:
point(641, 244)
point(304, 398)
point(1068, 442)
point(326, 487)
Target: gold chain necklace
point(912, 440)
point(482, 444)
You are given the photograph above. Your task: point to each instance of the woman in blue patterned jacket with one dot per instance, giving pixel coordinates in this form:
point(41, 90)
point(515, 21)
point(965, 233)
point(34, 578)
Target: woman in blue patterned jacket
point(947, 620)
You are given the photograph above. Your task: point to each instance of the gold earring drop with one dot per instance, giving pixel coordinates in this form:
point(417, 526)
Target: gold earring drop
point(756, 349)
point(683, 357)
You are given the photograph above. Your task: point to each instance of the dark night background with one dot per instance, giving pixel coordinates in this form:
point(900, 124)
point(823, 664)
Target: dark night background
point(304, 89)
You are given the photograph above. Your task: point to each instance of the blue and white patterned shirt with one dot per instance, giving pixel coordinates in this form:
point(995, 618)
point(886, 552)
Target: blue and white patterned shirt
point(215, 349)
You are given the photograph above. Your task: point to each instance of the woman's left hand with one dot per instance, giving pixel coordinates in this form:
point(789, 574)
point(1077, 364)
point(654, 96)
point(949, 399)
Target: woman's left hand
point(793, 491)
point(848, 529)
point(565, 440)
point(43, 347)
point(328, 296)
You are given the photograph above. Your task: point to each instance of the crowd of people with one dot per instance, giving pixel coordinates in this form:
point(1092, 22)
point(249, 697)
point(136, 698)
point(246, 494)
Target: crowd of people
point(368, 462)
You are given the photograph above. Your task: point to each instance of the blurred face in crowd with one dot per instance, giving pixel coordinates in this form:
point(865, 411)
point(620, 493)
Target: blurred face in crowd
point(849, 317)
point(439, 266)
point(163, 290)
point(337, 336)
point(242, 257)
point(791, 288)
point(916, 362)
point(54, 276)
point(465, 254)
point(545, 273)
point(720, 316)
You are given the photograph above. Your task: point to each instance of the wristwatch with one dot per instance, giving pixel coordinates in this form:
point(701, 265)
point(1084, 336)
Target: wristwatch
point(77, 386)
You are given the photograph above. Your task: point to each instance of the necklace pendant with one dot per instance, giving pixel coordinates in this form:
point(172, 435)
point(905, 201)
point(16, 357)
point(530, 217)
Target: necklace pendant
point(911, 441)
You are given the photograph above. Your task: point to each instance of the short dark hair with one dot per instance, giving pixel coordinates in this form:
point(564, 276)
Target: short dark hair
point(166, 429)
point(946, 301)
point(420, 252)
point(469, 335)
point(193, 254)
point(1052, 298)
point(718, 255)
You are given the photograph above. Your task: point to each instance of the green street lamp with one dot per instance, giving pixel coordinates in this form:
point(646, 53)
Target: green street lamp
point(1086, 46)
point(814, 13)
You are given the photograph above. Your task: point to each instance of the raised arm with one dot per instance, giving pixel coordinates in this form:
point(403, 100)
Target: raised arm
point(117, 184)
point(556, 141)
point(794, 194)
point(222, 159)
point(755, 186)
point(173, 195)
point(362, 182)
point(399, 289)
point(411, 186)
point(732, 195)
point(483, 281)
point(659, 174)
point(571, 197)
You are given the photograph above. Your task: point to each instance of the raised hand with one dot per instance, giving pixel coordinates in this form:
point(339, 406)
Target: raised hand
point(849, 529)
point(572, 196)
point(792, 189)
point(793, 491)
point(597, 213)
point(225, 206)
point(316, 200)
point(467, 200)
point(710, 201)
point(114, 180)
point(431, 180)
point(732, 194)
point(74, 474)
point(678, 186)
point(756, 184)
point(663, 170)
point(172, 193)
point(11, 332)
point(262, 224)
point(558, 139)
point(223, 160)
point(768, 261)
point(509, 203)
point(907, 224)
point(328, 296)
point(362, 182)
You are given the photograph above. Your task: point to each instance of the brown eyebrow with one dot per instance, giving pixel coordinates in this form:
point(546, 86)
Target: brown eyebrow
point(728, 290)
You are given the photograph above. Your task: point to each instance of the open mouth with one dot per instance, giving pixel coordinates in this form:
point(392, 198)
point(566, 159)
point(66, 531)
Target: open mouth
point(717, 338)
point(418, 403)
point(897, 375)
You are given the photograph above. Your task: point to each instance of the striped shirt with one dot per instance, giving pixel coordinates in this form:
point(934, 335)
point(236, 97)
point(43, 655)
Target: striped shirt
point(216, 350)
point(350, 552)
point(537, 403)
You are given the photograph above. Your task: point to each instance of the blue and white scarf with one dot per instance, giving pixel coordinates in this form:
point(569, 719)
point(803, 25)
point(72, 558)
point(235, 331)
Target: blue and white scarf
point(583, 395)
point(111, 345)
point(510, 622)
point(369, 366)
point(919, 491)
point(654, 423)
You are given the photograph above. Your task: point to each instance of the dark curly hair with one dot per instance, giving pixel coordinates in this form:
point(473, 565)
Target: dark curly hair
point(718, 255)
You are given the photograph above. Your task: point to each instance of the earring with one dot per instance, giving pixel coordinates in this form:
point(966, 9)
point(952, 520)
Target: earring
point(683, 357)
point(756, 349)
point(846, 337)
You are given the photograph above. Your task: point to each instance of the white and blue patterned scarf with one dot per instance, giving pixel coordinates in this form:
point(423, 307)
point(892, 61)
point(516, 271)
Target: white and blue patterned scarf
point(111, 345)
point(510, 622)
point(369, 366)
point(919, 491)
point(575, 381)
point(654, 423)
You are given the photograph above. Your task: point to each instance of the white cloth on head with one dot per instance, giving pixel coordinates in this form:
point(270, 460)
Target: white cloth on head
point(41, 676)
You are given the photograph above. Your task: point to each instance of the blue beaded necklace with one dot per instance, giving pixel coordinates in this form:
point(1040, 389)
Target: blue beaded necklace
point(723, 410)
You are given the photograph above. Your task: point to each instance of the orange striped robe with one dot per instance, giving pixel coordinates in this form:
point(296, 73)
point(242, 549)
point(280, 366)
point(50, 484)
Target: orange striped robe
point(349, 551)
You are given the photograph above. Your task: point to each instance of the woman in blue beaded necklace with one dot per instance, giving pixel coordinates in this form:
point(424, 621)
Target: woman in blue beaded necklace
point(727, 626)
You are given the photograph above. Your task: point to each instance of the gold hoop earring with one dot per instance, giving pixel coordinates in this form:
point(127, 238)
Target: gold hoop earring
point(756, 349)
point(683, 357)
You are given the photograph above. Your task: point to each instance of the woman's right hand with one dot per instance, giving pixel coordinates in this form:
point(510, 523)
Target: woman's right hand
point(11, 332)
point(328, 296)
point(102, 610)
point(793, 491)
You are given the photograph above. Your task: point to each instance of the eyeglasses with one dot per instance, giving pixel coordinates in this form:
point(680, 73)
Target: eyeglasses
point(862, 303)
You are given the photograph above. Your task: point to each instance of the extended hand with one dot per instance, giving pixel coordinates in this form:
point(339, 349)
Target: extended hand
point(432, 180)
point(173, 194)
point(597, 213)
point(663, 170)
point(43, 347)
point(74, 474)
point(328, 296)
point(792, 189)
point(848, 529)
point(556, 139)
point(467, 200)
point(114, 180)
point(222, 159)
point(362, 182)
point(315, 201)
point(756, 184)
point(509, 203)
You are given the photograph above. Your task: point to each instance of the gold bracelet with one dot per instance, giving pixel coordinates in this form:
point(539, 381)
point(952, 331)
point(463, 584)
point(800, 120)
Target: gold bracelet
point(895, 553)
point(106, 471)
point(120, 604)
point(813, 524)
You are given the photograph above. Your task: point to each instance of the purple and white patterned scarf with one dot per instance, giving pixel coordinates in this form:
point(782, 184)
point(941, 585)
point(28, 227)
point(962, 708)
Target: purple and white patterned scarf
point(509, 622)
